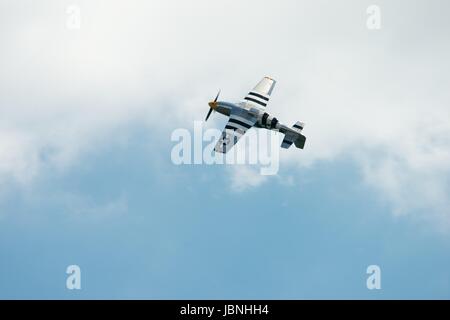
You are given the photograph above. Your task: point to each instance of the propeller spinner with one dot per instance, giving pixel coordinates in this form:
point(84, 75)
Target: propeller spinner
point(212, 106)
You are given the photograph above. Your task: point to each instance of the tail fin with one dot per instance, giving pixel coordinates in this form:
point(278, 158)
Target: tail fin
point(294, 136)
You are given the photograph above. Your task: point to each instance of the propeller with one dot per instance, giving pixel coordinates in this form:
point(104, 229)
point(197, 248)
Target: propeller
point(209, 113)
point(212, 105)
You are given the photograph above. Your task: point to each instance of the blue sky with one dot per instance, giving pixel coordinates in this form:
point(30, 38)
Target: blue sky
point(178, 236)
point(86, 176)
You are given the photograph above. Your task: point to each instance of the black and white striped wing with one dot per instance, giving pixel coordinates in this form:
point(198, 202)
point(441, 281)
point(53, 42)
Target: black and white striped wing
point(259, 96)
point(236, 127)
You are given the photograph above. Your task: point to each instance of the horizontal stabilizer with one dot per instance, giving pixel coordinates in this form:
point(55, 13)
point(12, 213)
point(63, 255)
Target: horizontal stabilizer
point(300, 141)
point(294, 136)
point(298, 126)
point(286, 143)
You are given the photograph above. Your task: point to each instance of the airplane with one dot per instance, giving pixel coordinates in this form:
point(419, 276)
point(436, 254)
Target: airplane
point(250, 112)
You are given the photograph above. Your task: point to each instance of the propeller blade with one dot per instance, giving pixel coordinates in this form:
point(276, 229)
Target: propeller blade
point(215, 100)
point(212, 104)
point(209, 113)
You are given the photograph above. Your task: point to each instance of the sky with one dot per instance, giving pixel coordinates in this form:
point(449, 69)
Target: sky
point(91, 92)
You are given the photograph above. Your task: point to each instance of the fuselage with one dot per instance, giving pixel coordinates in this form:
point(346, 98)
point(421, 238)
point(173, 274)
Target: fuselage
point(264, 120)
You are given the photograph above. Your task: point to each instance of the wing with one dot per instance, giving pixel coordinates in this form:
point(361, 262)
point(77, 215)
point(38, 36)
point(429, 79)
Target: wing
point(259, 96)
point(237, 126)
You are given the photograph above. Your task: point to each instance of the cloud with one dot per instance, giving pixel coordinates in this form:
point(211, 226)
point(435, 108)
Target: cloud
point(17, 159)
point(379, 98)
point(413, 175)
point(244, 177)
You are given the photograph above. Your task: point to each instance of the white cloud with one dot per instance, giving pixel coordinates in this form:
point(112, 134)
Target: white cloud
point(379, 97)
point(244, 177)
point(18, 160)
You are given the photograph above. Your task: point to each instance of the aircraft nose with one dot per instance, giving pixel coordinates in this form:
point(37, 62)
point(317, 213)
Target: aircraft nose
point(212, 104)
